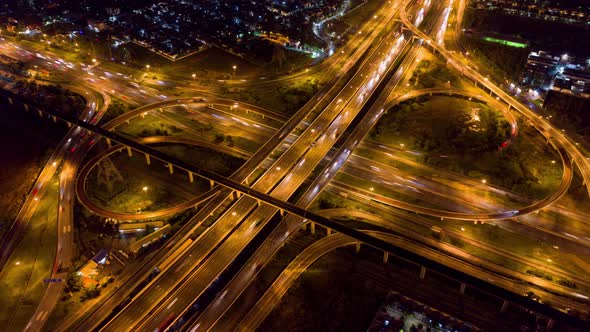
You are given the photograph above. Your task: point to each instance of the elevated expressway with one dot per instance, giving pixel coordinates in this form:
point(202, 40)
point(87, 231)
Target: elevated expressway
point(557, 138)
point(323, 130)
point(271, 298)
point(213, 234)
point(292, 209)
point(361, 164)
point(288, 226)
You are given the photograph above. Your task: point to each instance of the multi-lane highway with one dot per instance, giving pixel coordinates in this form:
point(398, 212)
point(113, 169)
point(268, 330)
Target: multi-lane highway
point(279, 168)
point(329, 122)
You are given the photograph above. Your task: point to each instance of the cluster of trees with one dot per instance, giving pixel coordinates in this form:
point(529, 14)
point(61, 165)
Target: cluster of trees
point(503, 61)
point(428, 75)
point(74, 285)
point(160, 129)
point(569, 109)
point(456, 135)
point(52, 96)
point(116, 108)
point(295, 97)
point(220, 138)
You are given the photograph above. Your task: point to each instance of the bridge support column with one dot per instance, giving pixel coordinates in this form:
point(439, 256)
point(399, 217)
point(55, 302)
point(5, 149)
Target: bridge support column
point(385, 257)
point(258, 203)
point(69, 125)
point(462, 288)
point(161, 110)
point(211, 183)
point(129, 153)
point(108, 142)
point(422, 272)
point(25, 106)
point(10, 101)
point(234, 195)
point(147, 159)
point(170, 168)
point(505, 305)
point(312, 227)
point(282, 212)
point(54, 119)
point(329, 231)
point(127, 121)
point(304, 227)
point(190, 177)
point(357, 248)
point(442, 218)
point(143, 115)
point(40, 113)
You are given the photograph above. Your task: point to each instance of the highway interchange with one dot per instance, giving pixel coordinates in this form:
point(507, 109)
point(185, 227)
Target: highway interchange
point(278, 168)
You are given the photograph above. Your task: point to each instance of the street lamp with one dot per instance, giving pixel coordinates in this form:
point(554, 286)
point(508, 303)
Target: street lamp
point(484, 181)
point(234, 67)
point(194, 76)
point(145, 189)
point(93, 60)
point(147, 67)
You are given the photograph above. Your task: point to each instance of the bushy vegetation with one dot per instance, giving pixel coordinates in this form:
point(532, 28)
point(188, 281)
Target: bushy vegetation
point(430, 75)
point(451, 129)
point(116, 108)
point(53, 97)
point(569, 109)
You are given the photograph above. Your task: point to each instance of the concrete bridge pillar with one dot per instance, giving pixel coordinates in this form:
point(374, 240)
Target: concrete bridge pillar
point(25, 106)
point(190, 177)
point(462, 288)
point(129, 153)
point(258, 202)
point(304, 227)
point(422, 272)
point(54, 119)
point(127, 121)
point(282, 212)
point(328, 231)
point(39, 112)
point(357, 247)
point(385, 257)
point(171, 169)
point(147, 159)
point(312, 225)
point(160, 109)
point(10, 101)
point(108, 142)
point(211, 183)
point(505, 305)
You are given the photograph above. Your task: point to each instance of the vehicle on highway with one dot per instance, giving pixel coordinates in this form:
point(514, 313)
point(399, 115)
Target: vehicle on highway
point(166, 323)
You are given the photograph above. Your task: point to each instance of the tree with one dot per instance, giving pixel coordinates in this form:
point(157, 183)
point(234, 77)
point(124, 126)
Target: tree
point(74, 282)
point(90, 293)
point(219, 138)
point(229, 140)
